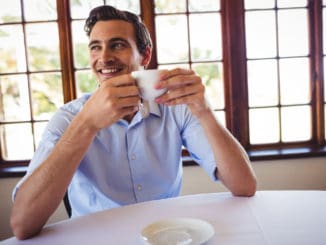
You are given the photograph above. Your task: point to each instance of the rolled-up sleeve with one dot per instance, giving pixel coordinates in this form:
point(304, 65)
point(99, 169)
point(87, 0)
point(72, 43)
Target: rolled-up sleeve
point(54, 130)
point(45, 147)
point(196, 142)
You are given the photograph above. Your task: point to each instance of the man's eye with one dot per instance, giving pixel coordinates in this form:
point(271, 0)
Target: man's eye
point(118, 45)
point(94, 47)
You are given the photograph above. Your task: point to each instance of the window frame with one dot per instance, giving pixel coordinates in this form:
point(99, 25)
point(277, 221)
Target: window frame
point(235, 80)
point(237, 101)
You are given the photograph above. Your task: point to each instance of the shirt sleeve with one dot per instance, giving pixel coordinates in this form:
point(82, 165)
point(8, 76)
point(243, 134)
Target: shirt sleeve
point(196, 142)
point(51, 135)
point(45, 147)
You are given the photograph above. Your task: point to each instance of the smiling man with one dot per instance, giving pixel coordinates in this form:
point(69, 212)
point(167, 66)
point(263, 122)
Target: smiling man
point(107, 153)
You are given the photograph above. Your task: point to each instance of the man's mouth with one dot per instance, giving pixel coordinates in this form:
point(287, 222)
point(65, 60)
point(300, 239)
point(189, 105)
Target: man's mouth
point(110, 71)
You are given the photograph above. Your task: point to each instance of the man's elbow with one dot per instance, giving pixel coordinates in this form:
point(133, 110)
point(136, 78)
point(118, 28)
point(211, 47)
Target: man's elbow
point(246, 190)
point(20, 229)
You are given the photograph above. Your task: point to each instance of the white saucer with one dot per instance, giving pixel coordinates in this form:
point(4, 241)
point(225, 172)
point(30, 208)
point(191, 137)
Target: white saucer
point(178, 231)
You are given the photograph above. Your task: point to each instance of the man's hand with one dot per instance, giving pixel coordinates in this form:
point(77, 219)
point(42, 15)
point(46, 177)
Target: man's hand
point(116, 98)
point(184, 87)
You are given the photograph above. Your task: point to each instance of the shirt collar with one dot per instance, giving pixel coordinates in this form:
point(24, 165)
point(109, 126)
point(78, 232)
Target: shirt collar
point(153, 108)
point(148, 107)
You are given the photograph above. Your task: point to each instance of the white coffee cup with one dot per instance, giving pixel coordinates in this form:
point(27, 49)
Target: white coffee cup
point(146, 80)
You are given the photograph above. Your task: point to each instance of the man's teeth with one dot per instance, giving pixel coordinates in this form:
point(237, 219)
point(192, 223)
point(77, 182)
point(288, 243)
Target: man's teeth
point(109, 70)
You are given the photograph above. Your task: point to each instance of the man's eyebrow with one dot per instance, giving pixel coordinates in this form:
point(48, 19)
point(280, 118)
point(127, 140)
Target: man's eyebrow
point(118, 39)
point(115, 39)
point(93, 42)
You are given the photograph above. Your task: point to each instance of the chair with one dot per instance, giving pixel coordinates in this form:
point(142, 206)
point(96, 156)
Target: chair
point(67, 204)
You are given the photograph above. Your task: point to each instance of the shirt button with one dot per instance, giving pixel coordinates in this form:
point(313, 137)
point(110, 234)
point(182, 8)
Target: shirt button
point(139, 187)
point(133, 157)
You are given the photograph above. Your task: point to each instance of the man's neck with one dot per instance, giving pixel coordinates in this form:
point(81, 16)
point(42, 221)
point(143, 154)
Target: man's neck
point(129, 117)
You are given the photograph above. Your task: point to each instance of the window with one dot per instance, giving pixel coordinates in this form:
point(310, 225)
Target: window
point(278, 62)
point(262, 63)
point(202, 53)
point(283, 79)
point(30, 76)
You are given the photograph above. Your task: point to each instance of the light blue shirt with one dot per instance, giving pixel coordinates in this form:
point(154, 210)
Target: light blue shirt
point(129, 162)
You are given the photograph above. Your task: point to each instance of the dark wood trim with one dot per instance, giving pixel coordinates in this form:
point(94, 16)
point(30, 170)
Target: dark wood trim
point(11, 169)
point(147, 8)
point(235, 73)
point(66, 50)
point(317, 70)
point(287, 153)
point(255, 155)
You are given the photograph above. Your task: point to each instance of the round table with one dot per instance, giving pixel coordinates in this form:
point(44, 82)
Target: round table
point(269, 217)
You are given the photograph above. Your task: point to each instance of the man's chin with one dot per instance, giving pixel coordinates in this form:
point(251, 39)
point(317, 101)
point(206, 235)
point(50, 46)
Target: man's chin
point(104, 77)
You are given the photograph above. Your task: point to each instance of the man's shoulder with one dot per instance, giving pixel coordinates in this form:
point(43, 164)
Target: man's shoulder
point(179, 114)
point(74, 106)
point(177, 110)
point(61, 119)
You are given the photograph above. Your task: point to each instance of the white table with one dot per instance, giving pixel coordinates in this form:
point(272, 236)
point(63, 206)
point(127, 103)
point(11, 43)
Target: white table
point(270, 217)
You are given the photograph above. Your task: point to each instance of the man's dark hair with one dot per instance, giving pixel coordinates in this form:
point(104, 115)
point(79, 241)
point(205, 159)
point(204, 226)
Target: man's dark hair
point(106, 12)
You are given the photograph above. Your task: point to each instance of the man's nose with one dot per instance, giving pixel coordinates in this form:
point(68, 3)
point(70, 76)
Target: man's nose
point(106, 55)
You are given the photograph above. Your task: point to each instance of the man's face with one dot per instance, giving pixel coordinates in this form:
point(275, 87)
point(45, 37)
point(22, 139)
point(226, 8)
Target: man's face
point(113, 49)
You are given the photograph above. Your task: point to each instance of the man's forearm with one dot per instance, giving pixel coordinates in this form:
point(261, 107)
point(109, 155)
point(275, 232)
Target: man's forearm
point(234, 168)
point(41, 193)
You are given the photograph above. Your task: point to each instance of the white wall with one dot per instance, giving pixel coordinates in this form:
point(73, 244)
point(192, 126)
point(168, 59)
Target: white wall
point(306, 173)
point(6, 186)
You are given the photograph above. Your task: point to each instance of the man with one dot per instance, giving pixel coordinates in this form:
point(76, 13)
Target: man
point(107, 152)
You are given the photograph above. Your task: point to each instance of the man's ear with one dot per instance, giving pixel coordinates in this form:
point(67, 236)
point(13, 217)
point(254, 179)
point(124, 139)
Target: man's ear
point(147, 57)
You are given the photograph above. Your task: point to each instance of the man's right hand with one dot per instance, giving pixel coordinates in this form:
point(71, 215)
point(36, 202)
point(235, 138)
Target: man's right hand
point(115, 98)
